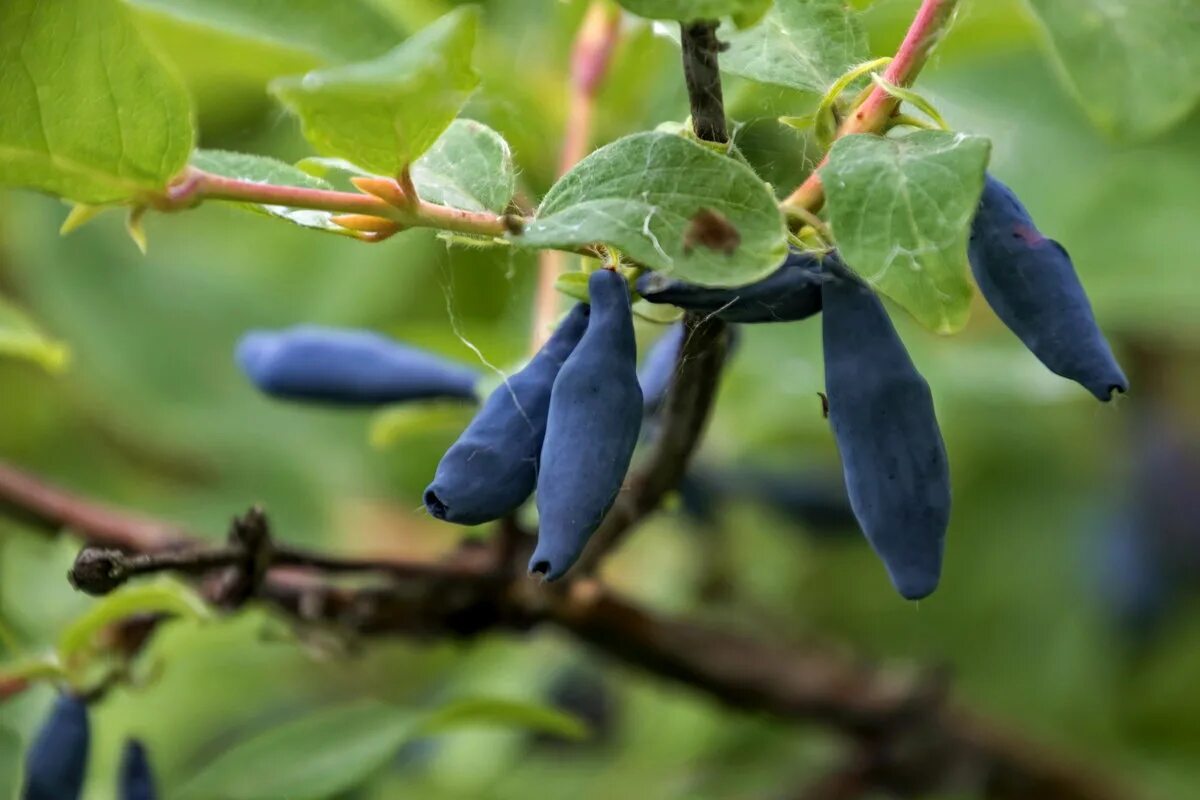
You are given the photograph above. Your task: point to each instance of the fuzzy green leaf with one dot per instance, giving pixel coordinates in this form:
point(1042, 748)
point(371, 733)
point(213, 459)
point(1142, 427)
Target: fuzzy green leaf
point(800, 44)
point(670, 204)
point(692, 10)
point(90, 112)
point(348, 30)
point(1131, 63)
point(901, 212)
point(469, 167)
point(383, 114)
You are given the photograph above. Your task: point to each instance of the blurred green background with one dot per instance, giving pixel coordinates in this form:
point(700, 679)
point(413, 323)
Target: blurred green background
point(153, 415)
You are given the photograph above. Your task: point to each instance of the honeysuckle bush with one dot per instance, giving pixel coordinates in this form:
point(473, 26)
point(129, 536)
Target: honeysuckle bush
point(161, 111)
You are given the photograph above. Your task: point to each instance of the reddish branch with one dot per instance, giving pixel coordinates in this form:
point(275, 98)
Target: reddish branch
point(927, 28)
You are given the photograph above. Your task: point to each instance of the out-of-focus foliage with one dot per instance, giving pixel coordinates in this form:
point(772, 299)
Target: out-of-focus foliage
point(153, 414)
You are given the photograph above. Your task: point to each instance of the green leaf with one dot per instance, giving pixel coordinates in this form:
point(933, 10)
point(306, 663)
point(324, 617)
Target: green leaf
point(393, 425)
point(347, 30)
point(383, 114)
point(1131, 63)
point(160, 597)
point(322, 754)
point(468, 167)
point(261, 169)
point(573, 285)
point(692, 10)
point(801, 44)
point(90, 112)
point(490, 711)
point(671, 205)
point(21, 338)
point(901, 212)
point(10, 762)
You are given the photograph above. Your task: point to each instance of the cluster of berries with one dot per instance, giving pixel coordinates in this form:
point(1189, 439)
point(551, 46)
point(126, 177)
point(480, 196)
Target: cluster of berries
point(56, 765)
point(567, 424)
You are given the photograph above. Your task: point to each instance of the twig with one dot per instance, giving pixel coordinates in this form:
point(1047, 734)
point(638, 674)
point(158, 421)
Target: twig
point(700, 70)
point(590, 59)
point(198, 185)
point(698, 365)
point(926, 30)
point(685, 414)
point(904, 715)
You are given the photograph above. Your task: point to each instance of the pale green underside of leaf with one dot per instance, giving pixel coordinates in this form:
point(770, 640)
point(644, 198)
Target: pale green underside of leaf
point(640, 194)
point(21, 338)
point(470, 167)
point(260, 169)
point(162, 596)
point(801, 44)
point(394, 425)
point(346, 30)
point(1131, 63)
point(383, 114)
point(90, 112)
point(333, 750)
point(901, 212)
point(692, 10)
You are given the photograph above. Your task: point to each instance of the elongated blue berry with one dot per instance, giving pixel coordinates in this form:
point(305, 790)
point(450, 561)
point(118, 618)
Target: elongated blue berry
point(346, 366)
point(136, 779)
point(493, 466)
point(57, 762)
point(658, 368)
point(790, 293)
point(882, 417)
point(1030, 283)
point(591, 431)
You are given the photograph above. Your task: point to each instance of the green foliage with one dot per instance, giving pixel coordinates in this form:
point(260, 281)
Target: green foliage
point(394, 425)
point(21, 338)
point(901, 212)
point(158, 597)
point(349, 30)
point(383, 114)
point(647, 195)
point(1131, 63)
point(333, 750)
point(319, 755)
point(90, 111)
point(11, 752)
point(694, 10)
point(468, 167)
point(261, 169)
point(800, 44)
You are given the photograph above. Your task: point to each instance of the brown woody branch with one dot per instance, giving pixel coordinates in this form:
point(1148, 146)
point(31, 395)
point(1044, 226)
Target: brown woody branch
point(920, 742)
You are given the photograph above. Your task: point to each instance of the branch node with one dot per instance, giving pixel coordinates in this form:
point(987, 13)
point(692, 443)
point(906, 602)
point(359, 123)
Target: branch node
point(97, 571)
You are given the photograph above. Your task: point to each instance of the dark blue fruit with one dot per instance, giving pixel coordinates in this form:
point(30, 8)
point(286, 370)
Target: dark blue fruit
point(658, 368)
point(1030, 283)
point(136, 780)
point(882, 417)
point(790, 293)
point(592, 429)
point(493, 466)
point(345, 366)
point(57, 761)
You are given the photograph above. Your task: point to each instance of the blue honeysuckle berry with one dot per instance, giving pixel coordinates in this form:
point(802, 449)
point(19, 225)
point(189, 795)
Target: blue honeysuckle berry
point(790, 293)
point(881, 413)
point(1030, 282)
point(492, 468)
point(345, 366)
point(56, 763)
point(592, 429)
point(658, 367)
point(135, 780)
